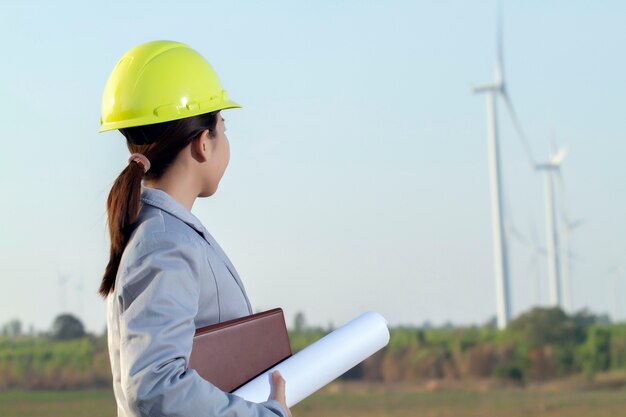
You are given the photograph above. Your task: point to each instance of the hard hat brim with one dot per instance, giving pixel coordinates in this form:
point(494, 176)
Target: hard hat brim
point(153, 119)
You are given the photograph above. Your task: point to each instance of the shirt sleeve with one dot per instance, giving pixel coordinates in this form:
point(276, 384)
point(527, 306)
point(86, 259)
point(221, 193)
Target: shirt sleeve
point(159, 300)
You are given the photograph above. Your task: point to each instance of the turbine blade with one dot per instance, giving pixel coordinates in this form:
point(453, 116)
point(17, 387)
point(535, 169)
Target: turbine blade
point(535, 238)
point(537, 248)
point(570, 225)
point(518, 128)
point(499, 52)
point(534, 235)
point(559, 156)
point(518, 235)
point(576, 224)
point(531, 269)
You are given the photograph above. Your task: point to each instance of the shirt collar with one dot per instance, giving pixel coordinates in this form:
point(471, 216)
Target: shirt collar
point(164, 201)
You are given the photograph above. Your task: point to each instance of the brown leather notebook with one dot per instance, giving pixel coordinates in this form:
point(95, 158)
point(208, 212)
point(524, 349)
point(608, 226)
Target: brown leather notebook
point(231, 353)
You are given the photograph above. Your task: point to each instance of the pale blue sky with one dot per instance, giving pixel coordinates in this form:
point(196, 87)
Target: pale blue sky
point(358, 178)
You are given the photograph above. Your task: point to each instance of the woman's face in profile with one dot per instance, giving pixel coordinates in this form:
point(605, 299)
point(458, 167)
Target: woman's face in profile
point(220, 156)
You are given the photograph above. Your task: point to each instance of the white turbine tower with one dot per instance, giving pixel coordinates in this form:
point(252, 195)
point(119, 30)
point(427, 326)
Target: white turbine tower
point(500, 251)
point(63, 279)
point(554, 273)
point(615, 273)
point(566, 261)
point(567, 226)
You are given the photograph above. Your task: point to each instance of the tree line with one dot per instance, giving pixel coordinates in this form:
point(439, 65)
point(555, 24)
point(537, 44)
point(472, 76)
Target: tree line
point(540, 345)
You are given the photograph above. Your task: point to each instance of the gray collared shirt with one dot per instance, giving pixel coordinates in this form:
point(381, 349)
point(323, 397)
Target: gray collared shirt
point(172, 279)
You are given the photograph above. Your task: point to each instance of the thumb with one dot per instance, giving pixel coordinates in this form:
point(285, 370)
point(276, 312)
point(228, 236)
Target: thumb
point(279, 385)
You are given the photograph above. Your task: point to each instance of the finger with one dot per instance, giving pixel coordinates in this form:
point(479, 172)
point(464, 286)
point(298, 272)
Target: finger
point(279, 385)
point(277, 376)
point(279, 395)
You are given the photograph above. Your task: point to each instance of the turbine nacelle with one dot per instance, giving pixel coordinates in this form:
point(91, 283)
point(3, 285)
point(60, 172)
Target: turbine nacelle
point(497, 87)
point(559, 156)
point(546, 167)
point(554, 163)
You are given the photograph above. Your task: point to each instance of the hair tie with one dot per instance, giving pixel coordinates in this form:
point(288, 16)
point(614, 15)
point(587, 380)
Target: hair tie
point(141, 160)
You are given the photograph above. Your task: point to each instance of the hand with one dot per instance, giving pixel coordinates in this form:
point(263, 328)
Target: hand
point(278, 391)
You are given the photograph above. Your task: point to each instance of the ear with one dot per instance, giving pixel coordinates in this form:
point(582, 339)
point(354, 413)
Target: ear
point(201, 148)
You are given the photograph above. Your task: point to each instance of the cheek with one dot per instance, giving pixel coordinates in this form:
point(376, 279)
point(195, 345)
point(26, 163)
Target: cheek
point(227, 153)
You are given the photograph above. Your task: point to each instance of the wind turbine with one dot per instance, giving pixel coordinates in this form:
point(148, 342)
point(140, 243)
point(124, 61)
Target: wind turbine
point(79, 290)
point(536, 253)
point(554, 272)
point(567, 226)
point(62, 279)
point(566, 261)
point(500, 251)
point(615, 273)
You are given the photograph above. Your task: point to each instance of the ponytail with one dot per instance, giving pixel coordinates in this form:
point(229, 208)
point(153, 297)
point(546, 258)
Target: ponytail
point(124, 201)
point(123, 207)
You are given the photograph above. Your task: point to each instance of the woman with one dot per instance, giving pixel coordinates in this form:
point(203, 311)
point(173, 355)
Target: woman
point(166, 275)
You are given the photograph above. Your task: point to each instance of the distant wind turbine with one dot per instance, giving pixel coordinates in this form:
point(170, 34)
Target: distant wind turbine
point(554, 272)
point(615, 273)
point(537, 252)
point(62, 279)
point(501, 261)
point(567, 226)
point(79, 292)
point(566, 261)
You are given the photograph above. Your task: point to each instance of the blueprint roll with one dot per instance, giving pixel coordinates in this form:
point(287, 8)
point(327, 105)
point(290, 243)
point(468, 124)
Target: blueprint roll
point(320, 363)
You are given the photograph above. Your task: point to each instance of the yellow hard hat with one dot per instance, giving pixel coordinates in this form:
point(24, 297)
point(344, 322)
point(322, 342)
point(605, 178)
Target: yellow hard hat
point(158, 82)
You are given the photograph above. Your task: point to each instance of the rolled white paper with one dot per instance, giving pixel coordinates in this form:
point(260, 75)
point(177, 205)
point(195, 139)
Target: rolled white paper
point(320, 363)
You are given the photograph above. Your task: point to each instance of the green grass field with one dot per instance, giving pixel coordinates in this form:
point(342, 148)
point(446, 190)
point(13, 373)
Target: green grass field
point(57, 403)
point(363, 400)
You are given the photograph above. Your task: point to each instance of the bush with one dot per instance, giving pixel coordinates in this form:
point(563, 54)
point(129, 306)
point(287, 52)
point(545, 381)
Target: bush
point(67, 327)
point(595, 354)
